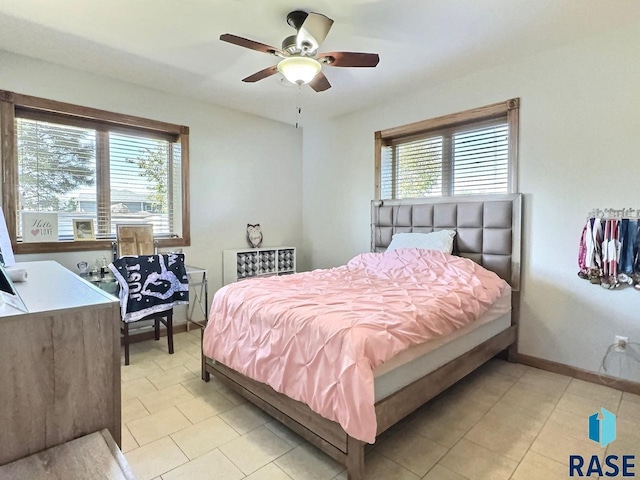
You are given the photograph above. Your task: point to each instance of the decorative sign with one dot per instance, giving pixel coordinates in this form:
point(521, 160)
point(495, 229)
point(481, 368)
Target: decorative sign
point(39, 227)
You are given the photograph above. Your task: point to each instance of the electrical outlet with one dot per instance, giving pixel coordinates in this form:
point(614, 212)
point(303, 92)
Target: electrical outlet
point(621, 343)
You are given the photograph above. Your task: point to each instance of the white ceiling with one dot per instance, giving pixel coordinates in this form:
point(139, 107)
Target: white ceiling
point(173, 46)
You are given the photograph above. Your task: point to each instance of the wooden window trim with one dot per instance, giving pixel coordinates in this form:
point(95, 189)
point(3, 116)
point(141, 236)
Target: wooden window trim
point(10, 102)
point(100, 116)
point(510, 108)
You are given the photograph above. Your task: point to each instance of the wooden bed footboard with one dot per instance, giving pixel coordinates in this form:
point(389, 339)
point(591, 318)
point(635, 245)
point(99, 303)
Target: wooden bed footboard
point(329, 436)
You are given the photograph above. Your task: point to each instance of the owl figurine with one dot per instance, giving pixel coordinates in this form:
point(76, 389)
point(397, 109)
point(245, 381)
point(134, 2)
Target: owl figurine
point(254, 235)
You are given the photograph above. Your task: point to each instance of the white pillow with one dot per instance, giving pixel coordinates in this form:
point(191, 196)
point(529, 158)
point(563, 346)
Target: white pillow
point(441, 241)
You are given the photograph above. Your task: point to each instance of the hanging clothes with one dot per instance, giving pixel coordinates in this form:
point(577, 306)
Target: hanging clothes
point(582, 251)
point(622, 256)
point(628, 247)
point(613, 253)
point(595, 256)
point(609, 251)
point(590, 251)
point(604, 248)
point(636, 251)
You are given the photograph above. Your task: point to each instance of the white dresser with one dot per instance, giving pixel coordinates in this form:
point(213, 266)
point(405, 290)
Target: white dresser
point(59, 362)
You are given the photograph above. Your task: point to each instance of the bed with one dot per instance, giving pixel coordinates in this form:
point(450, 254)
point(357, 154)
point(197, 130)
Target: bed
point(487, 232)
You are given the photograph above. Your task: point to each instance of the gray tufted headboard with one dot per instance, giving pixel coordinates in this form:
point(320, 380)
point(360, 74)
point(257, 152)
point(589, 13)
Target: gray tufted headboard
point(488, 227)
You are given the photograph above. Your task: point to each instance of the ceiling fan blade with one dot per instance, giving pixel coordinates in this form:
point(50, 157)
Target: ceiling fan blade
point(320, 83)
point(313, 31)
point(349, 59)
point(246, 43)
point(267, 72)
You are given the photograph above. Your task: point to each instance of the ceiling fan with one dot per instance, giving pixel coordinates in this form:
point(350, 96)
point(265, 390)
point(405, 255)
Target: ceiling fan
point(300, 62)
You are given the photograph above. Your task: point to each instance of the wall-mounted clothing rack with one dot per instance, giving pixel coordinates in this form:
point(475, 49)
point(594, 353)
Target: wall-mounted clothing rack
point(615, 213)
point(609, 251)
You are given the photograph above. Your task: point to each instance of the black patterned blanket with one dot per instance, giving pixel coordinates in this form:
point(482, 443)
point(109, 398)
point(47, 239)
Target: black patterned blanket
point(150, 284)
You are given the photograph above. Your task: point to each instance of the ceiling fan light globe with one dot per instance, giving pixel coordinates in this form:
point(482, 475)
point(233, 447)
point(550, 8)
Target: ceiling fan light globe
point(299, 70)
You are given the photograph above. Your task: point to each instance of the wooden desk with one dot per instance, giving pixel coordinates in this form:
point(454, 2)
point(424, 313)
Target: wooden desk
point(59, 362)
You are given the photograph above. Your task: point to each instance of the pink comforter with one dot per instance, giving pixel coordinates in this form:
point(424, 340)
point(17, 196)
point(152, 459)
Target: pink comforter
point(317, 336)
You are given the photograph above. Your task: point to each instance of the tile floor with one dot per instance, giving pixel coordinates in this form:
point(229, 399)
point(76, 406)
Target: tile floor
point(505, 421)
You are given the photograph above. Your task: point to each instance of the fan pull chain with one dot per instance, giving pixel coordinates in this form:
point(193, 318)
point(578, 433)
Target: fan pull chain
point(298, 106)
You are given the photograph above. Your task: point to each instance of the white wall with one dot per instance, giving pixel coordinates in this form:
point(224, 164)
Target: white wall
point(579, 149)
point(244, 168)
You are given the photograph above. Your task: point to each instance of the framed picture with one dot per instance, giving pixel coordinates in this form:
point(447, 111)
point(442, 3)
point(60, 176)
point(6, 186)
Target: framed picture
point(39, 227)
point(135, 239)
point(83, 230)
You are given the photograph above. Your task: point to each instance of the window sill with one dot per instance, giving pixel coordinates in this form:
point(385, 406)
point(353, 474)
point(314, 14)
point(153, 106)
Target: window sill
point(87, 245)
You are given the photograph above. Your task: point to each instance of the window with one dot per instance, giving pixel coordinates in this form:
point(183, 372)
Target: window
point(76, 163)
point(468, 153)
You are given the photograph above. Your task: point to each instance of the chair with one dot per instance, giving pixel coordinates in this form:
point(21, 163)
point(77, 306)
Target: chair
point(150, 286)
point(166, 318)
point(134, 239)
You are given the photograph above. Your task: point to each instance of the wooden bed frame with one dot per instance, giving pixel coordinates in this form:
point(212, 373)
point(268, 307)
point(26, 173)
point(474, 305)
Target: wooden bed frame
point(328, 435)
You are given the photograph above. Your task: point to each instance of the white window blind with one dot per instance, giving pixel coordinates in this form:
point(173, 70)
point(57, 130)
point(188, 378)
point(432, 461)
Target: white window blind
point(141, 173)
point(412, 169)
point(109, 177)
point(472, 158)
point(481, 160)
